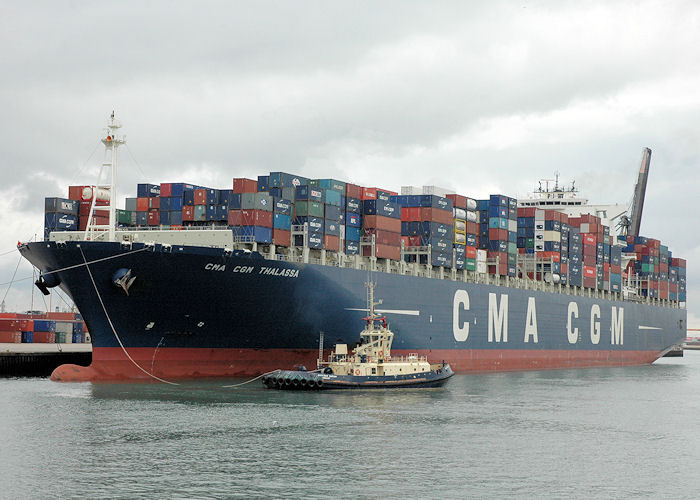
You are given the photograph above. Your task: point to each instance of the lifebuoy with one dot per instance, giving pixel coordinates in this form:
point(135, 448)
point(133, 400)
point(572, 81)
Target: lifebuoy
point(381, 354)
point(357, 371)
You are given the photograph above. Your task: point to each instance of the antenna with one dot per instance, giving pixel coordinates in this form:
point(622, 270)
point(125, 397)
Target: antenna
point(103, 191)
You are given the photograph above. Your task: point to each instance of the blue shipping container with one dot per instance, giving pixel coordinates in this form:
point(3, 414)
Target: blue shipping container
point(281, 221)
point(352, 233)
point(147, 190)
point(61, 206)
point(61, 222)
point(44, 325)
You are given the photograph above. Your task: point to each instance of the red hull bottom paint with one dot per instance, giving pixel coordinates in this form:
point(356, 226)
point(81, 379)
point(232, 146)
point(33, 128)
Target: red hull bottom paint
point(111, 364)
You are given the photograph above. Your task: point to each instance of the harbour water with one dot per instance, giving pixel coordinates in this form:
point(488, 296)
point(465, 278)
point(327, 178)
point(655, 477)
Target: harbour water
point(595, 433)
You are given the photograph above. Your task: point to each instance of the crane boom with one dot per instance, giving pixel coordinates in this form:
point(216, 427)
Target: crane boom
point(639, 191)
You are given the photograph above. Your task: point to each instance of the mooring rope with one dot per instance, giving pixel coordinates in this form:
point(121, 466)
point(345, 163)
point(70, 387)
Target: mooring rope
point(115, 332)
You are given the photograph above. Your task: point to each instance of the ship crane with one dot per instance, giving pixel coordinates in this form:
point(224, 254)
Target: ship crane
point(630, 223)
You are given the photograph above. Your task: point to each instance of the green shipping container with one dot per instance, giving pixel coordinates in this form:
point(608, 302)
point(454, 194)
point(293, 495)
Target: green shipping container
point(308, 209)
point(530, 243)
point(60, 338)
point(470, 264)
point(512, 248)
point(123, 216)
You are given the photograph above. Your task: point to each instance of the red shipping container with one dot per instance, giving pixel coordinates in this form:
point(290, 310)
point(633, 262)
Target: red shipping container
point(281, 237)
point(368, 193)
point(472, 228)
point(84, 208)
point(234, 218)
point(256, 218)
point(415, 241)
point(563, 268)
point(10, 325)
point(470, 252)
point(75, 193)
point(44, 338)
point(153, 218)
point(606, 268)
point(331, 242)
point(553, 256)
point(242, 185)
point(406, 241)
point(61, 316)
point(575, 222)
point(436, 215)
point(526, 211)
point(101, 220)
point(498, 234)
point(410, 214)
point(10, 337)
point(551, 215)
point(589, 260)
point(589, 239)
point(589, 282)
point(142, 204)
point(383, 251)
point(353, 191)
point(153, 203)
point(458, 200)
point(615, 269)
point(563, 218)
point(188, 213)
point(381, 222)
point(589, 250)
point(200, 196)
point(8, 315)
point(166, 189)
point(589, 272)
point(384, 237)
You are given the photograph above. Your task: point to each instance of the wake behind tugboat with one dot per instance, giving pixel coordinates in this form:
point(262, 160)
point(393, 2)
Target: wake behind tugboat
point(369, 366)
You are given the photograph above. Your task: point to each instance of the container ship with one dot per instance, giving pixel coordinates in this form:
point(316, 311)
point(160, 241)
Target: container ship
point(187, 281)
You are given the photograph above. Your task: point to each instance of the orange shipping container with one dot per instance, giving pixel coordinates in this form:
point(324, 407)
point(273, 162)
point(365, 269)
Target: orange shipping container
point(381, 222)
point(10, 337)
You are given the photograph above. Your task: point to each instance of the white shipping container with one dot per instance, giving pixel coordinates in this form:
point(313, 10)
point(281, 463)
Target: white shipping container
point(472, 217)
point(471, 204)
point(552, 236)
point(411, 190)
point(459, 213)
point(437, 190)
point(481, 256)
point(480, 267)
point(513, 226)
point(539, 214)
point(64, 327)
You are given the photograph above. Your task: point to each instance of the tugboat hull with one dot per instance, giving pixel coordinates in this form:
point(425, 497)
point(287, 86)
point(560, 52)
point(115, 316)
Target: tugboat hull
point(316, 380)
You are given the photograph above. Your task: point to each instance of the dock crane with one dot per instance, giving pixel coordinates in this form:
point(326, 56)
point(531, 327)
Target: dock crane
point(629, 224)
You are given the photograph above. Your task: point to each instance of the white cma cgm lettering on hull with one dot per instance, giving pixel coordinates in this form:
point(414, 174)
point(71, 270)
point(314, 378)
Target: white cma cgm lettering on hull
point(617, 324)
point(268, 271)
point(498, 320)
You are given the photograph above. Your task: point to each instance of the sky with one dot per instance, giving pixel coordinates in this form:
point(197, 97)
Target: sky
point(478, 97)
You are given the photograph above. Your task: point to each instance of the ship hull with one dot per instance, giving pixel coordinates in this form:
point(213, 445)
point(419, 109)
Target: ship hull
point(199, 312)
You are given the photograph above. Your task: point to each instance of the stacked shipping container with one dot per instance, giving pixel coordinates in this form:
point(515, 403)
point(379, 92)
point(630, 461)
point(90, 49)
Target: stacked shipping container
point(344, 216)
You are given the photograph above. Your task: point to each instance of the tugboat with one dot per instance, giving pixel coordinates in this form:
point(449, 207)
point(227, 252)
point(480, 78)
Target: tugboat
point(370, 365)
